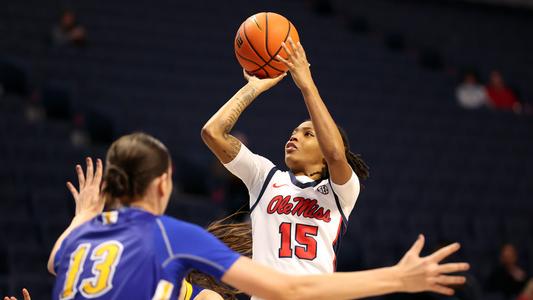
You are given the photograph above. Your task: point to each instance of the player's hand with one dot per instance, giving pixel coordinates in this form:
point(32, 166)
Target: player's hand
point(25, 293)
point(264, 84)
point(297, 64)
point(89, 202)
point(426, 274)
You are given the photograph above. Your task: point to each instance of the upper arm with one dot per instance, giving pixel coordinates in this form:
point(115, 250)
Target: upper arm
point(347, 192)
point(224, 145)
point(255, 279)
point(251, 168)
point(339, 170)
point(196, 248)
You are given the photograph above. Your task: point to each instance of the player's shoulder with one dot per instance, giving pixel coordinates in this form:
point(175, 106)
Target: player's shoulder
point(170, 224)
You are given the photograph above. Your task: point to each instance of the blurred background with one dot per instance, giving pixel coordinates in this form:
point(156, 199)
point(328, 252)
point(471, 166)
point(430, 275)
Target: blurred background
point(435, 95)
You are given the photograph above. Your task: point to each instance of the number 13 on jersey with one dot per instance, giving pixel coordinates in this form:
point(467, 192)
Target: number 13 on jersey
point(105, 259)
point(305, 247)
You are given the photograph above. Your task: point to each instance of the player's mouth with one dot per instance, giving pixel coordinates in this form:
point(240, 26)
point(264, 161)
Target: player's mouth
point(290, 147)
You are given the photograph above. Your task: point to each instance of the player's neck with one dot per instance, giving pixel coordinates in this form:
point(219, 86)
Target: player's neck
point(148, 206)
point(315, 175)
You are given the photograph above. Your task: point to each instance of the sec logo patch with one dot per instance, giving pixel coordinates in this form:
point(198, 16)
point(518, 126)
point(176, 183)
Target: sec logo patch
point(323, 189)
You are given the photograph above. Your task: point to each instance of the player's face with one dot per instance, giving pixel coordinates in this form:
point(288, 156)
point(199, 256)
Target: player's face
point(302, 151)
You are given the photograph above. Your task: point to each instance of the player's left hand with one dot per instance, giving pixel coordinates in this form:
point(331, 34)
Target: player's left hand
point(25, 293)
point(297, 64)
point(89, 202)
point(427, 273)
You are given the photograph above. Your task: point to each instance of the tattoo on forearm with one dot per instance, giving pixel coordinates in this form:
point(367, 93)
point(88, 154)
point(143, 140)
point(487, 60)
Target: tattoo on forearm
point(243, 99)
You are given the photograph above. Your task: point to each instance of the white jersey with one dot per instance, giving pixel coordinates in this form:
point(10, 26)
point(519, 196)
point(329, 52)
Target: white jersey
point(296, 222)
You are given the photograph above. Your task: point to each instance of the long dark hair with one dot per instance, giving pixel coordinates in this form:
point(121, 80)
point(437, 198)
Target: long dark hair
point(132, 162)
point(237, 236)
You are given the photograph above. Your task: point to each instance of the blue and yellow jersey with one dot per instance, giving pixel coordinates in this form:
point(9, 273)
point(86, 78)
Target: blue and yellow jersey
point(189, 291)
point(132, 254)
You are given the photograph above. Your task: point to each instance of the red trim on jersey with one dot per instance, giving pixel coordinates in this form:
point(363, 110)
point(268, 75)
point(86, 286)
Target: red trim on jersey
point(333, 246)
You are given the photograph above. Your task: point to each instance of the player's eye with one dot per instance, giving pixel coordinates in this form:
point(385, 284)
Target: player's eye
point(309, 133)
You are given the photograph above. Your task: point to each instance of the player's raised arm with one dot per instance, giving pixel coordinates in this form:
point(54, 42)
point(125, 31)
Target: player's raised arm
point(412, 274)
point(216, 132)
point(88, 202)
point(327, 133)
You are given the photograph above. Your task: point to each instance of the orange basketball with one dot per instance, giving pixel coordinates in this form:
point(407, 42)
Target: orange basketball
point(258, 41)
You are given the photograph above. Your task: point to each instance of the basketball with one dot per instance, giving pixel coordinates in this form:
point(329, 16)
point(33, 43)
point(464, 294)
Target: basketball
point(258, 41)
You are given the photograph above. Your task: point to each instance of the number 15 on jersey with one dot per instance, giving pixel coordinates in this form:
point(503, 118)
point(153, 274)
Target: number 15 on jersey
point(305, 243)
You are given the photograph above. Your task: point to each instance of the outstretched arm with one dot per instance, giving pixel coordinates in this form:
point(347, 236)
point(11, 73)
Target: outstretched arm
point(328, 136)
point(88, 202)
point(216, 132)
point(412, 274)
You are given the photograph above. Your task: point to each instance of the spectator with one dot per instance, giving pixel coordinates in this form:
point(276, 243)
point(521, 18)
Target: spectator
point(508, 277)
point(527, 293)
point(470, 93)
point(500, 95)
point(68, 31)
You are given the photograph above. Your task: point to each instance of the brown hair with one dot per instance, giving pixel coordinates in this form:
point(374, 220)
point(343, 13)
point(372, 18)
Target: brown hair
point(237, 236)
point(132, 162)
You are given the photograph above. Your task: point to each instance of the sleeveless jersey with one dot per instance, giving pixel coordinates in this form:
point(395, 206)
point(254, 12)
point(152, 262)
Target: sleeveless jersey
point(296, 225)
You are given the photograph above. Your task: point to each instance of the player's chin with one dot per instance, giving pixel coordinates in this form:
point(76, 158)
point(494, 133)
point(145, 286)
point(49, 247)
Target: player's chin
point(291, 160)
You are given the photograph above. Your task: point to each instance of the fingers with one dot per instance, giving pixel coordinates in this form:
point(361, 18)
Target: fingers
point(72, 190)
point(418, 245)
point(442, 290)
point(246, 75)
point(280, 77)
point(81, 177)
point(442, 253)
point(301, 50)
point(286, 62)
point(26, 294)
point(453, 267)
point(99, 172)
point(287, 50)
point(295, 50)
point(90, 172)
point(450, 280)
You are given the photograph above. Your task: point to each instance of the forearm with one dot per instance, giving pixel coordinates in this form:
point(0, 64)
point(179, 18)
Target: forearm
point(76, 222)
point(352, 285)
point(255, 279)
point(216, 132)
point(327, 134)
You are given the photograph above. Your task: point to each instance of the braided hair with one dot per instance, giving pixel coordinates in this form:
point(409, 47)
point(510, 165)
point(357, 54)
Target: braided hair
point(355, 161)
point(237, 236)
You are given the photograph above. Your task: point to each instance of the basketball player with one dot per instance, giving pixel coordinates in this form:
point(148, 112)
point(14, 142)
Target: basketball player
point(136, 252)
point(297, 215)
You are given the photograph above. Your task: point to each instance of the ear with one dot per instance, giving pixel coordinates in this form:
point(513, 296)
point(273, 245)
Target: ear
point(162, 183)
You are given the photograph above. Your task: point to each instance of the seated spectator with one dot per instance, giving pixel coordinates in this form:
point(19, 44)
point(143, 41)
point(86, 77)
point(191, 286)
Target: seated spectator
point(68, 31)
point(470, 93)
point(507, 277)
point(500, 95)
